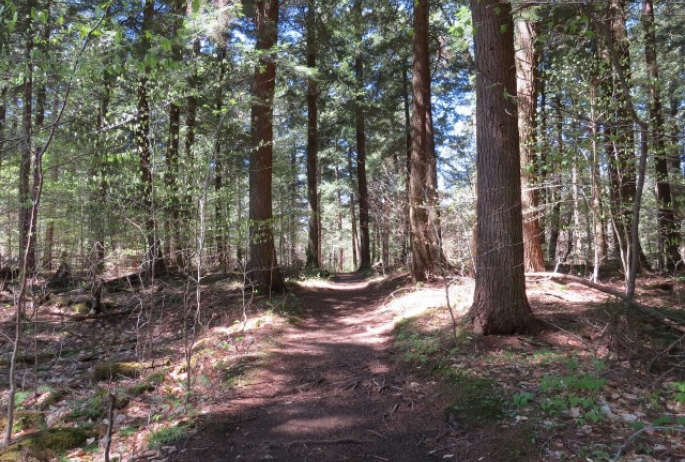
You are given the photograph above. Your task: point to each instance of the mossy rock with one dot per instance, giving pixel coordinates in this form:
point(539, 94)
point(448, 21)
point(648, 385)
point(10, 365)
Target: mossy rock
point(45, 445)
point(112, 371)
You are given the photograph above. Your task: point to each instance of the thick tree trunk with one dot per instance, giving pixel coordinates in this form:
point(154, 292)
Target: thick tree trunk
point(264, 272)
point(500, 304)
point(669, 235)
point(313, 258)
point(422, 262)
point(364, 237)
point(527, 92)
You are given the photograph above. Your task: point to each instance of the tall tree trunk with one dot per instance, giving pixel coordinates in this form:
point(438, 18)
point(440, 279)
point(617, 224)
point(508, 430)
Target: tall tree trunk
point(500, 305)
point(527, 92)
point(556, 192)
point(406, 243)
point(264, 271)
point(155, 258)
point(599, 239)
point(353, 218)
point(26, 154)
point(313, 257)
point(623, 139)
point(422, 262)
point(360, 128)
point(669, 235)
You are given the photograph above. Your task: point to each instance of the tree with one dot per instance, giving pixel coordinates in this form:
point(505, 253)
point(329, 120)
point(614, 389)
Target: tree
point(500, 304)
point(264, 272)
point(360, 129)
point(527, 93)
point(313, 257)
point(668, 233)
point(422, 262)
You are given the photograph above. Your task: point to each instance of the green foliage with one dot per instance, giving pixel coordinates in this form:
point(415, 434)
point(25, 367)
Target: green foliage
point(167, 436)
point(45, 445)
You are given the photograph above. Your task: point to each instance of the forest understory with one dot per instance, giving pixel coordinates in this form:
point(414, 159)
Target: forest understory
point(343, 369)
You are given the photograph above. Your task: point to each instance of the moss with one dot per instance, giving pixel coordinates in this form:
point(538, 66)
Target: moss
point(518, 444)
point(29, 420)
point(45, 445)
point(166, 436)
point(29, 358)
point(112, 371)
point(476, 401)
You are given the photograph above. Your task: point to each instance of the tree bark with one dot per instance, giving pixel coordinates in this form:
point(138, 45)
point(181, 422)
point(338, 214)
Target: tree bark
point(360, 128)
point(264, 272)
point(500, 305)
point(313, 257)
point(422, 263)
point(527, 94)
point(668, 233)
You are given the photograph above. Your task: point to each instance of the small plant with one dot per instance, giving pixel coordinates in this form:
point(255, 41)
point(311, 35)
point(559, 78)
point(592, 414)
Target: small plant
point(523, 399)
point(166, 436)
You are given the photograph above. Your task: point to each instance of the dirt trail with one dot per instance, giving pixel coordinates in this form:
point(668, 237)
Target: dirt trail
point(329, 391)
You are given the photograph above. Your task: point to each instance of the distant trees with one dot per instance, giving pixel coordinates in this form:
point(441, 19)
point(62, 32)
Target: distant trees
point(360, 151)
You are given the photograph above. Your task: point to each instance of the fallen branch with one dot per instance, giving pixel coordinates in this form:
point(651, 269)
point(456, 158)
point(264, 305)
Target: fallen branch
point(673, 323)
point(625, 445)
point(87, 317)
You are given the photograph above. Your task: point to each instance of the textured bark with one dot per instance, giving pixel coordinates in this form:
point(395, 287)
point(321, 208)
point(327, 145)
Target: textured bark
point(422, 262)
point(406, 244)
point(668, 232)
point(263, 268)
point(527, 93)
point(360, 128)
point(313, 257)
point(500, 304)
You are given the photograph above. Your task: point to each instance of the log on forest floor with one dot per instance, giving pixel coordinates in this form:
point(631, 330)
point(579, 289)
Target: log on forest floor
point(667, 319)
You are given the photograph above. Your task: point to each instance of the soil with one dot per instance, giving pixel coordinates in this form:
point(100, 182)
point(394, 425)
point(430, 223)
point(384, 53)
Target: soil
point(331, 390)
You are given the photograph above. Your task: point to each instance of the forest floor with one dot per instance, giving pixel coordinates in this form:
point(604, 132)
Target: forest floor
point(349, 369)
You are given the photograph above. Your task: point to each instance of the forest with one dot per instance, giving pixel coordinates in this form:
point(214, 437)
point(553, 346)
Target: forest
point(342, 230)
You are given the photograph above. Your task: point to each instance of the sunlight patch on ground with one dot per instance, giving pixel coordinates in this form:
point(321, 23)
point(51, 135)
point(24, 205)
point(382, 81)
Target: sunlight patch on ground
point(403, 305)
point(298, 428)
point(408, 305)
point(333, 285)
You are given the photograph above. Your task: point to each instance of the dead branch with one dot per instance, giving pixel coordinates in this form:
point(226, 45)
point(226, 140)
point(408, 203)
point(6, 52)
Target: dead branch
point(652, 312)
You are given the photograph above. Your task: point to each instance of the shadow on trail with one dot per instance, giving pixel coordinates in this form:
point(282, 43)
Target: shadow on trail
point(329, 391)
